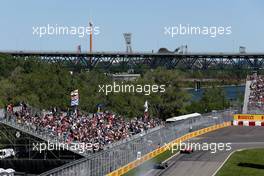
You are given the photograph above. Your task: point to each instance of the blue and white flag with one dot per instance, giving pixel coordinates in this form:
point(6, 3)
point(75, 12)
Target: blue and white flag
point(146, 109)
point(146, 106)
point(75, 98)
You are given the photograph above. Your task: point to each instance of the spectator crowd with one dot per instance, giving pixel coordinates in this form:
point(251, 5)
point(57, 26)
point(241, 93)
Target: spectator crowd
point(256, 96)
point(102, 128)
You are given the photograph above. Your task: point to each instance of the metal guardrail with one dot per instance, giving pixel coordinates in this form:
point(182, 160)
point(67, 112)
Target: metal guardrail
point(111, 159)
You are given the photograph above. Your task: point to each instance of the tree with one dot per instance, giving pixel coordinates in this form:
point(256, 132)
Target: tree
point(212, 99)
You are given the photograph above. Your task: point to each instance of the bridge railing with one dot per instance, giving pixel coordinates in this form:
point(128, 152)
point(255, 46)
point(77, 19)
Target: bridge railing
point(111, 159)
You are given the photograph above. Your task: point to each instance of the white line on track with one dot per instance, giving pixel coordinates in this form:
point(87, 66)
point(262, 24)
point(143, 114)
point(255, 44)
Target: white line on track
point(223, 163)
point(238, 150)
point(171, 157)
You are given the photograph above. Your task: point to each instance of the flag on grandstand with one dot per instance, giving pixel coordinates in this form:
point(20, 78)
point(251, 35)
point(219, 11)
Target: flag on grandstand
point(75, 98)
point(99, 107)
point(146, 109)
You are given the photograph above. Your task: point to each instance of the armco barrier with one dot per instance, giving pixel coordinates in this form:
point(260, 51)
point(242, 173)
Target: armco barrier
point(162, 149)
point(249, 117)
point(248, 120)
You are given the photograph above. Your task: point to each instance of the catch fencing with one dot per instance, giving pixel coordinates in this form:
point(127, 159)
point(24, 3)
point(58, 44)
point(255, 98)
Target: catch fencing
point(2, 114)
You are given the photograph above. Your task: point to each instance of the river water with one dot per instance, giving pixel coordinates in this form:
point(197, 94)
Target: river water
point(231, 92)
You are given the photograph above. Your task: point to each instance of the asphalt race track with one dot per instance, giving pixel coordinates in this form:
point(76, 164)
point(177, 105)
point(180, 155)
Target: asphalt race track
point(205, 163)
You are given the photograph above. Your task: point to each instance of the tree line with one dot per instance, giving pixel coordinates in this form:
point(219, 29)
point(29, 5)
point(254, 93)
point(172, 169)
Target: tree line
point(45, 85)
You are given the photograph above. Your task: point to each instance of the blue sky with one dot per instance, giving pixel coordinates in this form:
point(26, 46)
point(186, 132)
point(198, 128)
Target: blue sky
point(144, 19)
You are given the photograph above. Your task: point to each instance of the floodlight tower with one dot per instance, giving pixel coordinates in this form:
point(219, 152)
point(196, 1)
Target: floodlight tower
point(127, 37)
point(79, 49)
point(242, 49)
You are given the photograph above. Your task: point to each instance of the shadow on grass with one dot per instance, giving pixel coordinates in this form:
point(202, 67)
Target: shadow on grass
point(251, 165)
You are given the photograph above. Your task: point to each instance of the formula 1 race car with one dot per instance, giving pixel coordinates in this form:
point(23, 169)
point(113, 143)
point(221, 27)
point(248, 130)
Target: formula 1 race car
point(188, 150)
point(161, 166)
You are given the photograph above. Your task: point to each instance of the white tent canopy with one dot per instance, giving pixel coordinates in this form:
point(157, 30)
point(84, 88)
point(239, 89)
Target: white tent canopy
point(7, 172)
point(183, 117)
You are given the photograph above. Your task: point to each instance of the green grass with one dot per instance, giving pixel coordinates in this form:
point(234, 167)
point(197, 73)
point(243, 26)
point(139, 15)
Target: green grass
point(252, 157)
point(146, 166)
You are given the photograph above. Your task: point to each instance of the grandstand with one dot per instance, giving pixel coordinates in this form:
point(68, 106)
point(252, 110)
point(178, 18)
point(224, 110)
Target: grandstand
point(149, 135)
point(254, 95)
point(102, 128)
